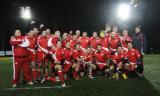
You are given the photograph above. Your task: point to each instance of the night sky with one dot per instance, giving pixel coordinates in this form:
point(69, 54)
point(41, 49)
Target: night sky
point(86, 15)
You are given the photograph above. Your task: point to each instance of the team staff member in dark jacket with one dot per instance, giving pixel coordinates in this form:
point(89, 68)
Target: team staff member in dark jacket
point(139, 42)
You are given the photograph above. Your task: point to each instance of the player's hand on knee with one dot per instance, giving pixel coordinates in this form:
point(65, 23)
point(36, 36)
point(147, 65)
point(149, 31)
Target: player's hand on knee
point(73, 66)
point(93, 67)
point(58, 67)
point(135, 66)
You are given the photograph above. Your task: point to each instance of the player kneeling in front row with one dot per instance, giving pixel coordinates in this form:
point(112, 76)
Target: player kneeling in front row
point(67, 60)
point(102, 60)
point(58, 57)
point(88, 62)
point(117, 64)
point(133, 60)
point(76, 63)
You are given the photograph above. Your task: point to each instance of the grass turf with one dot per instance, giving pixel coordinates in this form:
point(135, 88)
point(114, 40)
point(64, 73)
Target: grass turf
point(100, 86)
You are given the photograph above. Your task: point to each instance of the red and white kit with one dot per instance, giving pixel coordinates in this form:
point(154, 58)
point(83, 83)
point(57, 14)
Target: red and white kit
point(100, 58)
point(52, 41)
point(84, 43)
point(133, 55)
point(67, 59)
point(124, 41)
point(114, 43)
point(58, 57)
point(93, 43)
point(32, 54)
point(117, 59)
point(64, 41)
point(88, 58)
point(31, 48)
point(73, 44)
point(76, 57)
point(77, 54)
point(104, 43)
point(21, 58)
point(43, 49)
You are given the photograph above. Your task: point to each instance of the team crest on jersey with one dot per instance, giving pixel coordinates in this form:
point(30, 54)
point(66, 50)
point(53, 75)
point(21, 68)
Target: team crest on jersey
point(102, 54)
point(116, 40)
point(34, 38)
point(18, 39)
point(87, 40)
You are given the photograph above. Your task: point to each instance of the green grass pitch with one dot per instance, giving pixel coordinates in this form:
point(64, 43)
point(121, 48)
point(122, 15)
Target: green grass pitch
point(100, 86)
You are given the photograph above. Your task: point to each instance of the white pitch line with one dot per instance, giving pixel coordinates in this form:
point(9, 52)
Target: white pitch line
point(28, 88)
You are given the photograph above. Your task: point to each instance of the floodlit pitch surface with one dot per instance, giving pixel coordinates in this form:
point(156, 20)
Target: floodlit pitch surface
point(100, 86)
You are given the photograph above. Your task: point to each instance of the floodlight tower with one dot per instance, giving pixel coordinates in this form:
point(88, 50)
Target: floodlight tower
point(25, 14)
point(124, 13)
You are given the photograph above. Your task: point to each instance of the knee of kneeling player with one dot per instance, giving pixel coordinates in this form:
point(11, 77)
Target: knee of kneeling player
point(73, 66)
point(77, 66)
point(58, 67)
point(94, 67)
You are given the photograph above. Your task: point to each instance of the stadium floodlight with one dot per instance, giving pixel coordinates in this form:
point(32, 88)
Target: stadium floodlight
point(134, 3)
point(25, 13)
point(124, 11)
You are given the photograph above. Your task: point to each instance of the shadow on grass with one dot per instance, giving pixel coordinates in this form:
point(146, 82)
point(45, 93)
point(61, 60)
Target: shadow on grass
point(99, 86)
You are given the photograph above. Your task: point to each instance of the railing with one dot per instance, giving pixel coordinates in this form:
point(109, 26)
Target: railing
point(6, 53)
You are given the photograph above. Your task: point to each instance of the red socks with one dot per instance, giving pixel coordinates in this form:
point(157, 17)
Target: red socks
point(38, 73)
point(34, 74)
point(75, 74)
point(60, 74)
point(52, 79)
